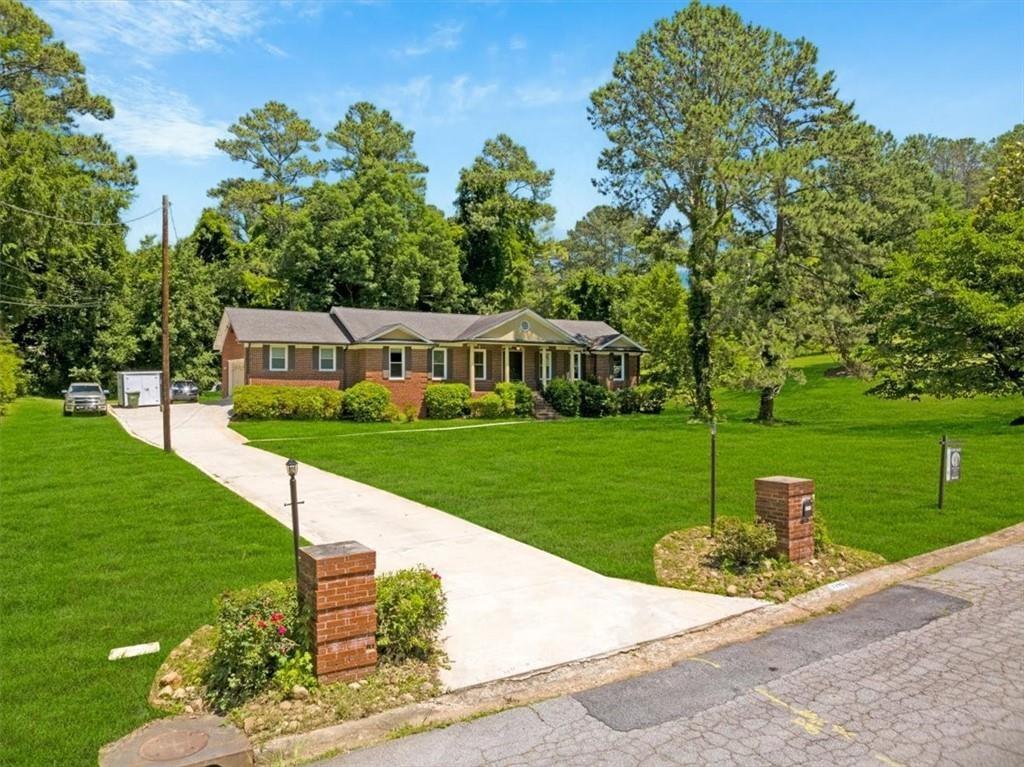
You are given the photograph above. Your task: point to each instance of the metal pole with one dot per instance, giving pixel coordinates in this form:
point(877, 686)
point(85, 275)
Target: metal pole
point(714, 451)
point(165, 321)
point(295, 525)
point(942, 470)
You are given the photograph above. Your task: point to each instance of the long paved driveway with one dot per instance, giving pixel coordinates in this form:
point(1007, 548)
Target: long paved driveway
point(927, 674)
point(512, 608)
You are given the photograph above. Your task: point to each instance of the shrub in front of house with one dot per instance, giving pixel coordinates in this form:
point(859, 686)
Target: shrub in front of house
point(642, 398)
point(488, 406)
point(518, 397)
point(596, 401)
point(11, 382)
point(307, 403)
point(448, 400)
point(258, 631)
point(411, 608)
point(563, 396)
point(368, 401)
point(741, 545)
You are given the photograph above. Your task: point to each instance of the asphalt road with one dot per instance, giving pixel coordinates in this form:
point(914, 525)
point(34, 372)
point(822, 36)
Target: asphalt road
point(928, 673)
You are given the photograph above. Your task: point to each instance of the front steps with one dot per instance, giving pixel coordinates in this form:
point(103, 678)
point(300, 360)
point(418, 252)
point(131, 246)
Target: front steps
point(542, 411)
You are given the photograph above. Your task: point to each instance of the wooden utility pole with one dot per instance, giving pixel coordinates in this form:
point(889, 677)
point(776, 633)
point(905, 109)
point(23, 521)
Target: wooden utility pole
point(165, 319)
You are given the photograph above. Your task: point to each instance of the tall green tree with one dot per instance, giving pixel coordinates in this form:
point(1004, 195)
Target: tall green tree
point(501, 206)
point(61, 196)
point(680, 115)
point(369, 136)
point(949, 312)
point(963, 165)
point(607, 240)
point(276, 143)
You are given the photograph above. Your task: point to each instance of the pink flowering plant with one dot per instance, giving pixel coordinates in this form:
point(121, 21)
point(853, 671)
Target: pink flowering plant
point(258, 631)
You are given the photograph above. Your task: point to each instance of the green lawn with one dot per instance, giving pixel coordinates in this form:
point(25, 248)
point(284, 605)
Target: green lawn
point(601, 493)
point(105, 542)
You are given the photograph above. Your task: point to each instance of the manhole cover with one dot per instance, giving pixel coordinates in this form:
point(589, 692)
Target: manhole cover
point(174, 745)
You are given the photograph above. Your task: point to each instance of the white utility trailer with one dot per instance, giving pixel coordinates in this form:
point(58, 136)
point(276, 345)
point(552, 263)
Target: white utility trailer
point(144, 383)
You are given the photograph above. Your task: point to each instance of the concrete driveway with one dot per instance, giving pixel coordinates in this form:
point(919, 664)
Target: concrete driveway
point(512, 609)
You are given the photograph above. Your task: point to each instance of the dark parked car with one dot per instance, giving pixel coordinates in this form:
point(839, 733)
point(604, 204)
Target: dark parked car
point(184, 391)
point(85, 398)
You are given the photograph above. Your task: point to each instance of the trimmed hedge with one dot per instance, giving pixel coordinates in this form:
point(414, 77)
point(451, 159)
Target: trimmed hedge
point(368, 401)
point(312, 403)
point(488, 406)
point(518, 397)
point(411, 608)
point(596, 401)
point(563, 396)
point(449, 400)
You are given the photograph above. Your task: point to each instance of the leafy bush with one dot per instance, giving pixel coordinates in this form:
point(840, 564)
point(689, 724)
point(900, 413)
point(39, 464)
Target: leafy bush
point(411, 413)
point(517, 396)
point(367, 401)
point(627, 400)
point(488, 406)
point(258, 631)
point(595, 400)
point(822, 540)
point(448, 400)
point(297, 669)
point(315, 403)
point(651, 397)
point(563, 396)
point(742, 544)
point(411, 608)
point(11, 382)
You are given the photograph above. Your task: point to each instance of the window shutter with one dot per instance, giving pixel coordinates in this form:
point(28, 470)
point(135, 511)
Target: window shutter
point(291, 357)
point(266, 357)
point(339, 356)
point(386, 371)
point(316, 358)
point(407, 357)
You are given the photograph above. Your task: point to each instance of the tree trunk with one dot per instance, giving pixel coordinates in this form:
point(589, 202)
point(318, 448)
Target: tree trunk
point(766, 413)
point(699, 305)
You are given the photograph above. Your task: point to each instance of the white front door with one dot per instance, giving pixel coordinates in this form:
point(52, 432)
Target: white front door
point(236, 375)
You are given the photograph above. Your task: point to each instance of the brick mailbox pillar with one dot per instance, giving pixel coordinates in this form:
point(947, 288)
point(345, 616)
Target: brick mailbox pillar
point(787, 504)
point(337, 587)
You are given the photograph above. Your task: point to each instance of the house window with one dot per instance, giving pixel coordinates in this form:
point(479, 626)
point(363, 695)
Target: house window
point(479, 364)
point(327, 361)
point(619, 366)
point(439, 364)
point(278, 357)
point(545, 366)
point(396, 363)
point(576, 373)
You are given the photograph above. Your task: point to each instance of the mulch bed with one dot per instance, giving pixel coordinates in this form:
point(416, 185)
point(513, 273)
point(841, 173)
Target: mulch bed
point(684, 559)
point(178, 689)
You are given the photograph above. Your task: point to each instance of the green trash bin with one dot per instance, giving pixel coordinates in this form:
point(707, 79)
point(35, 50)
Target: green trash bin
point(133, 399)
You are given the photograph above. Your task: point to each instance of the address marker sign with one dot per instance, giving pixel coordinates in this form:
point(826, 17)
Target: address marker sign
point(949, 467)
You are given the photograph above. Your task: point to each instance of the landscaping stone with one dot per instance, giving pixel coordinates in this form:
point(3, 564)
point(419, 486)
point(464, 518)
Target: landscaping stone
point(172, 678)
point(299, 692)
point(166, 691)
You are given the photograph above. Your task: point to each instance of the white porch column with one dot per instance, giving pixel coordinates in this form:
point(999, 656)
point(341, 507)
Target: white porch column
point(472, 369)
point(505, 351)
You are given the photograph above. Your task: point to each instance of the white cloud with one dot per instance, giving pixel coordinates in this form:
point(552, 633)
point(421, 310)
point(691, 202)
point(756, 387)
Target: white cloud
point(445, 37)
point(548, 92)
point(517, 43)
point(156, 28)
point(420, 99)
point(154, 121)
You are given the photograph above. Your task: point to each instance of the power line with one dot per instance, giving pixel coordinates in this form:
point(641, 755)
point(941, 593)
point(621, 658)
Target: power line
point(46, 305)
point(47, 281)
point(170, 209)
point(40, 214)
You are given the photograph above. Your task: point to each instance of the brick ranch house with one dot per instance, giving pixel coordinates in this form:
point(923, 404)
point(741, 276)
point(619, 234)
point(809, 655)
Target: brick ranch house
point(406, 351)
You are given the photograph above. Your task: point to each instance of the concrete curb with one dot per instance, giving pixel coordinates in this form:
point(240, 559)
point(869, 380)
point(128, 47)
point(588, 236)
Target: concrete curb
point(585, 674)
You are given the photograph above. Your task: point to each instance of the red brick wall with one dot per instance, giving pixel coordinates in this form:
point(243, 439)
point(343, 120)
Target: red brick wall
point(304, 370)
point(779, 502)
point(405, 392)
point(495, 368)
point(600, 367)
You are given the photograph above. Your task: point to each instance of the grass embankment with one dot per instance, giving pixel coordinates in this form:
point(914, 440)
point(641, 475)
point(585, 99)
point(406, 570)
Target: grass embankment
point(602, 492)
point(105, 542)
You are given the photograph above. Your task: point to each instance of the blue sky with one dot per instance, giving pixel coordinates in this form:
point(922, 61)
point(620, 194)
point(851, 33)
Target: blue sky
point(179, 73)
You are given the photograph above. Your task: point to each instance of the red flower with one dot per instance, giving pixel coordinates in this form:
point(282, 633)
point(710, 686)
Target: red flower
point(276, 617)
point(261, 624)
point(436, 576)
point(281, 630)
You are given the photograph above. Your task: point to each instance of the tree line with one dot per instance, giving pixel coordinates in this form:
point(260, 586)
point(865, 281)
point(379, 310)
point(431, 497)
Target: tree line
point(751, 216)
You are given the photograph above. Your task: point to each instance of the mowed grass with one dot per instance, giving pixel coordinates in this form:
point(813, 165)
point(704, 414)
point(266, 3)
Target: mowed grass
point(602, 492)
point(105, 542)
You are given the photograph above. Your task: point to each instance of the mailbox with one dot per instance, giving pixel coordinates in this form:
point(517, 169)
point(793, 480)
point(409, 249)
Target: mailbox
point(807, 508)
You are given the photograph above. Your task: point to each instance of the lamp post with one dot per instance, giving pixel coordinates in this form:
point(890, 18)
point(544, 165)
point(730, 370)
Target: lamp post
point(714, 436)
point(293, 468)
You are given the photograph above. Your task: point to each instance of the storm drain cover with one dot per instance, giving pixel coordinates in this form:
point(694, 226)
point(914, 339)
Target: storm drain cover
point(174, 745)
